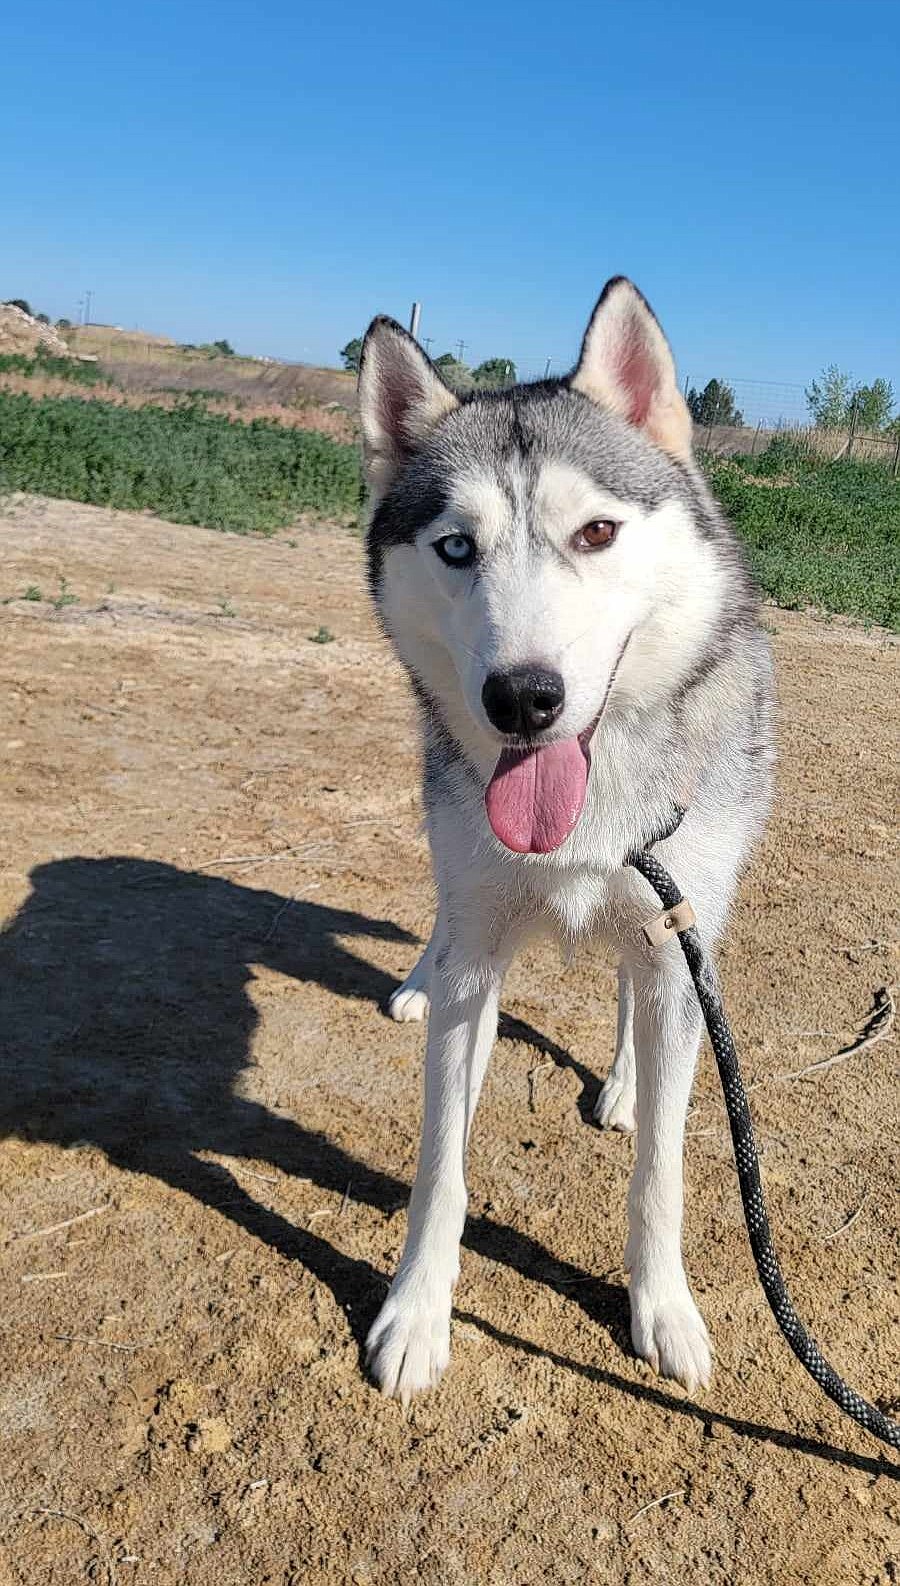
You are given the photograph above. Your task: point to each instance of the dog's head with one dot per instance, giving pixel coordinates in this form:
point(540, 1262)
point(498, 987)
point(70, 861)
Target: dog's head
point(525, 544)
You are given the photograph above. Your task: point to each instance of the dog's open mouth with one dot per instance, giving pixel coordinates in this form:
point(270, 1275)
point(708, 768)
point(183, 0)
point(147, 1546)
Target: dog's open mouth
point(535, 796)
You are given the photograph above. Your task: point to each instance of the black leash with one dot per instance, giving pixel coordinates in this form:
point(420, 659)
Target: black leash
point(745, 1154)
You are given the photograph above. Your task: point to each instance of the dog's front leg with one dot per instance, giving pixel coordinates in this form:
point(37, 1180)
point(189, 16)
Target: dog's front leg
point(409, 1344)
point(666, 1326)
point(409, 1002)
point(616, 1102)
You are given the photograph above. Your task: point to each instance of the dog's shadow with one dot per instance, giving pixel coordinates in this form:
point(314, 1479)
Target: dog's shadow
point(126, 1022)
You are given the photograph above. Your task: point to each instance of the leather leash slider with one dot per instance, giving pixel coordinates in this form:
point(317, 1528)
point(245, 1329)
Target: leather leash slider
point(663, 927)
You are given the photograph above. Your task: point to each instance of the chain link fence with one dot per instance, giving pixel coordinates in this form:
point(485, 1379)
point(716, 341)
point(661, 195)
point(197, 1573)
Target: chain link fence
point(749, 414)
point(739, 418)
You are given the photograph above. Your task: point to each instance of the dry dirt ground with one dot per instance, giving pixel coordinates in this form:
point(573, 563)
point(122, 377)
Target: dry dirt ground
point(212, 877)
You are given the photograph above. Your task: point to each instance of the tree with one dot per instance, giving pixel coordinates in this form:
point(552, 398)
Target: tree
point(829, 398)
point(874, 404)
point(42, 319)
point(351, 354)
point(495, 373)
point(714, 405)
point(18, 302)
point(458, 376)
point(835, 401)
point(64, 324)
point(224, 347)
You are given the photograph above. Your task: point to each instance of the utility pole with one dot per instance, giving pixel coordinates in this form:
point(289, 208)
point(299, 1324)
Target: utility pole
point(547, 368)
point(87, 307)
point(428, 343)
point(462, 347)
point(414, 321)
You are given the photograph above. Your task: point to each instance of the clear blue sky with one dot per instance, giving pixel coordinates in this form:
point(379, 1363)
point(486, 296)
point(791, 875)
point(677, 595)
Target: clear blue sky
point(278, 173)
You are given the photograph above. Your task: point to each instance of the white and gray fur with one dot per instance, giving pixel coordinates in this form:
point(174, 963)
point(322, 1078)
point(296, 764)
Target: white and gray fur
point(664, 623)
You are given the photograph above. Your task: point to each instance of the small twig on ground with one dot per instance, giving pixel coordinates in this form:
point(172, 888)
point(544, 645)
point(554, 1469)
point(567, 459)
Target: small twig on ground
point(248, 859)
point(42, 1277)
point(346, 1199)
point(366, 820)
point(296, 897)
point(849, 1222)
point(533, 1075)
point(324, 1211)
point(863, 947)
point(875, 1029)
point(55, 1228)
point(75, 1519)
point(679, 1492)
point(230, 1166)
point(287, 904)
point(105, 1343)
point(256, 776)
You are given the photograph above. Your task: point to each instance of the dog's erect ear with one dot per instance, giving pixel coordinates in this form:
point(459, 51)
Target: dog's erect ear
point(401, 397)
point(626, 364)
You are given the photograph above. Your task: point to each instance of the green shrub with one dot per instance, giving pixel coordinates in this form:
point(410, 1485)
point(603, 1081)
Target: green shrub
point(187, 465)
point(818, 533)
point(44, 363)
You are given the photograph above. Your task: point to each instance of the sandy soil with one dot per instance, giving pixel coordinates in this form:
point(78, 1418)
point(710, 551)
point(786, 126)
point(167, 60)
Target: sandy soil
point(212, 876)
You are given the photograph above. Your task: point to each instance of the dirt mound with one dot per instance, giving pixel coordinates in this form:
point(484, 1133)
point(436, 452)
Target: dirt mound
point(21, 332)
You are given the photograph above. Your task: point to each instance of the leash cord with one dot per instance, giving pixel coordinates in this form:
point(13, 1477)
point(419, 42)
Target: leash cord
point(747, 1161)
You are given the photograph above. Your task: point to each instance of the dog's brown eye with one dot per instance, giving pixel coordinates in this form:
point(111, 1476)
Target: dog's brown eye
point(596, 534)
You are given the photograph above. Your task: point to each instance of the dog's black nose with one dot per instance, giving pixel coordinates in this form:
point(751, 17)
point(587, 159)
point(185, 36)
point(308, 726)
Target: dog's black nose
point(523, 701)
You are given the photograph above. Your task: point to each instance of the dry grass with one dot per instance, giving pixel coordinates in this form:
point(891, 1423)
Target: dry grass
point(105, 340)
point(832, 444)
point(334, 422)
point(139, 361)
point(829, 445)
point(249, 378)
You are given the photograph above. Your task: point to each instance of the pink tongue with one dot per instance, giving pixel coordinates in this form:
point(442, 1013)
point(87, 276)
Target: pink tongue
point(535, 796)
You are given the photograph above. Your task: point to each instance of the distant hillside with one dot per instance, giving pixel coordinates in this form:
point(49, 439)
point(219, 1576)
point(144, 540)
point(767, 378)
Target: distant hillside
point(141, 362)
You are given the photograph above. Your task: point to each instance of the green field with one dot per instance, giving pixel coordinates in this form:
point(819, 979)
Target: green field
point(819, 533)
point(187, 464)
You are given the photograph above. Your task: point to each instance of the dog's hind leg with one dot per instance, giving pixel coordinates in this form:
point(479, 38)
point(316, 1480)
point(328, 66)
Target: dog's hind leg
point(666, 1326)
point(615, 1107)
point(409, 1003)
point(409, 1343)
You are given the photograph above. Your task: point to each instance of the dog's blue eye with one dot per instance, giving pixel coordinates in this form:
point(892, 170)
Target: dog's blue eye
point(457, 550)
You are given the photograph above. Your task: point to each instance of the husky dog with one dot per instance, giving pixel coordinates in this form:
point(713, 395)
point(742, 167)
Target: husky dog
point(581, 632)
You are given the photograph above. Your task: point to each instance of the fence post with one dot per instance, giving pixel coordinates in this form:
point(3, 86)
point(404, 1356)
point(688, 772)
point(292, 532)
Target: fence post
point(852, 435)
point(896, 467)
point(755, 439)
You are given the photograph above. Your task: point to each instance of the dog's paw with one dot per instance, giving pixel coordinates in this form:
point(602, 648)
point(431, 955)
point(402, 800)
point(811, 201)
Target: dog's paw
point(408, 1346)
point(668, 1332)
point(408, 1004)
point(615, 1107)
